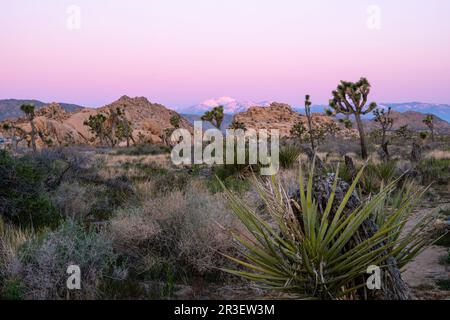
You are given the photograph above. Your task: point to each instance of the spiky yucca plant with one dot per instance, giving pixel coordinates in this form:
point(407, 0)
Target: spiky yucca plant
point(298, 249)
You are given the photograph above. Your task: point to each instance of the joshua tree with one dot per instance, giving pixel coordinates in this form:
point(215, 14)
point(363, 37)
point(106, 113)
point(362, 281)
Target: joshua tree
point(299, 131)
point(385, 122)
point(175, 122)
point(236, 125)
point(403, 132)
point(333, 129)
point(423, 135)
point(215, 117)
point(351, 99)
point(429, 122)
point(28, 109)
point(124, 130)
point(97, 126)
point(347, 123)
point(310, 124)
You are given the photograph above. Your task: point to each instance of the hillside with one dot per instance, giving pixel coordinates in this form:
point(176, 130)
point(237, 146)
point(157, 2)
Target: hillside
point(60, 127)
point(414, 120)
point(10, 108)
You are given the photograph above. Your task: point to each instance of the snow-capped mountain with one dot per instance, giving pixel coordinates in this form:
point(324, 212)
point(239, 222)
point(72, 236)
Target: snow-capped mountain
point(230, 105)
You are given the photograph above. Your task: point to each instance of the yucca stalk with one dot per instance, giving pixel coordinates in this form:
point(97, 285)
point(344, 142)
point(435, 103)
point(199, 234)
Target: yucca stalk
point(298, 247)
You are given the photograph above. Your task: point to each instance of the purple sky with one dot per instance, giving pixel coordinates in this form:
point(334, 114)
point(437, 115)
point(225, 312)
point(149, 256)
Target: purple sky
point(180, 52)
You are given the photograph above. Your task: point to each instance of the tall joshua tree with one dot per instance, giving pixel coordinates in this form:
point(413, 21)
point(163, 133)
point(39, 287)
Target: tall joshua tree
point(350, 98)
point(175, 123)
point(215, 117)
point(310, 124)
point(429, 122)
point(385, 122)
point(96, 124)
point(28, 109)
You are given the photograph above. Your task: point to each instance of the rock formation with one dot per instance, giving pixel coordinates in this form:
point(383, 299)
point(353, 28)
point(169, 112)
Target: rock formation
point(281, 116)
point(57, 127)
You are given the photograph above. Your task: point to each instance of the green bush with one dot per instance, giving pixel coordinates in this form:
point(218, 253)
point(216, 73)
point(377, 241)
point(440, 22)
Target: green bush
point(435, 170)
point(23, 197)
point(445, 260)
point(289, 156)
point(444, 284)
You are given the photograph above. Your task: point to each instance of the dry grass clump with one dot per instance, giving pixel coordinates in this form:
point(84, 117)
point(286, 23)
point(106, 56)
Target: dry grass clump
point(10, 240)
point(74, 200)
point(44, 261)
point(185, 230)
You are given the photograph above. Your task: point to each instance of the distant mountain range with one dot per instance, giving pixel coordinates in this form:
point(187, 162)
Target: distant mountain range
point(10, 108)
point(412, 111)
point(233, 106)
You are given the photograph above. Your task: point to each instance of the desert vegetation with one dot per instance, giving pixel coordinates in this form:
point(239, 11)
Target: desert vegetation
point(140, 227)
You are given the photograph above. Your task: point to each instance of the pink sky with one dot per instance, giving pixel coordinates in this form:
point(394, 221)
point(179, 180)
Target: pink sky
point(180, 52)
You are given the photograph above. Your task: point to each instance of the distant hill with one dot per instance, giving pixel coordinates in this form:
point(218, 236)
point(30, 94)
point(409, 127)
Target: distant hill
point(10, 108)
point(440, 110)
point(414, 120)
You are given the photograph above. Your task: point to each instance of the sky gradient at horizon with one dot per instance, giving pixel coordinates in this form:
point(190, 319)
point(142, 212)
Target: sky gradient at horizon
point(180, 53)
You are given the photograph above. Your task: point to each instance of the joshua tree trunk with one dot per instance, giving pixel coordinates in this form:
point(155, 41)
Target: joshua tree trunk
point(33, 135)
point(362, 136)
point(385, 151)
point(416, 153)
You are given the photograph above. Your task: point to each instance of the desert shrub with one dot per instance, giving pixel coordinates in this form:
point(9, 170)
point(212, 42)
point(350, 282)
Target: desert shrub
point(376, 175)
point(11, 239)
point(74, 200)
point(92, 201)
point(45, 259)
point(443, 284)
point(171, 182)
point(444, 240)
point(143, 149)
point(179, 233)
point(385, 171)
point(309, 253)
point(445, 212)
point(232, 182)
point(435, 170)
point(23, 198)
point(12, 289)
point(445, 260)
point(289, 156)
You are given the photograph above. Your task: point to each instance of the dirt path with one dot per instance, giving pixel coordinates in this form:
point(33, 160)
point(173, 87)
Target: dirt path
point(422, 273)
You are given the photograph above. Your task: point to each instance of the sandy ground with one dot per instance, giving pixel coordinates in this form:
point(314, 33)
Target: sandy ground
point(422, 273)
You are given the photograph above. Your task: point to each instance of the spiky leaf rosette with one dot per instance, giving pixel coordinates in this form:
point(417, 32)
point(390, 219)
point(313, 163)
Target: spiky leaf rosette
point(297, 248)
